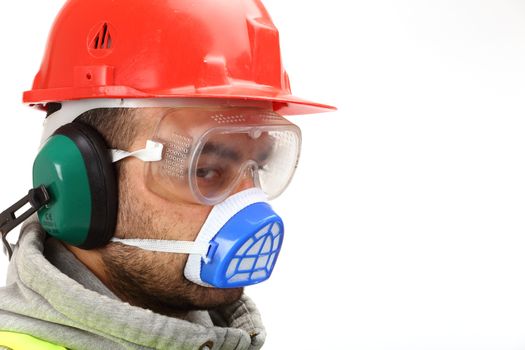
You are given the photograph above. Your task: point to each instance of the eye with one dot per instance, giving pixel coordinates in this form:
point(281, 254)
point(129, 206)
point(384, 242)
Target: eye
point(209, 174)
point(263, 163)
point(262, 167)
point(263, 159)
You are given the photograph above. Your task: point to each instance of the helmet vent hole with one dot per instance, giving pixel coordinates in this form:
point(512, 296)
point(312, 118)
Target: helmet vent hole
point(102, 39)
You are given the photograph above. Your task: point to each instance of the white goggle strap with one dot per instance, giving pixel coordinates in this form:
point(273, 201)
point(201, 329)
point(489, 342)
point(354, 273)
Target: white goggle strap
point(151, 153)
point(157, 245)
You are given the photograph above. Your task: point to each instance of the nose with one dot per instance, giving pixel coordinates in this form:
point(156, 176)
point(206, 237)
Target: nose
point(247, 180)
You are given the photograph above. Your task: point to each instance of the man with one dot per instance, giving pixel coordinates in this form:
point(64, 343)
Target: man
point(163, 142)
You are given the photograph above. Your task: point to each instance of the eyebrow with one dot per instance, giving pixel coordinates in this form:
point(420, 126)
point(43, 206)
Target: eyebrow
point(267, 149)
point(262, 156)
point(221, 151)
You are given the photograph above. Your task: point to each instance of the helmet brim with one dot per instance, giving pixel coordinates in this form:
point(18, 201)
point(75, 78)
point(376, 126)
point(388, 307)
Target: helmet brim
point(283, 104)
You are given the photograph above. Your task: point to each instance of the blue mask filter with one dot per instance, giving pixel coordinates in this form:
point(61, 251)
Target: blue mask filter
point(237, 245)
point(244, 250)
point(245, 236)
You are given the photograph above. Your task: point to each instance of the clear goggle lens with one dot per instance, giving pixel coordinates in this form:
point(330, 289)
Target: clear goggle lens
point(211, 153)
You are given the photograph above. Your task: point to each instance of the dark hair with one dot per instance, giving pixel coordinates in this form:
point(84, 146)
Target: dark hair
point(116, 125)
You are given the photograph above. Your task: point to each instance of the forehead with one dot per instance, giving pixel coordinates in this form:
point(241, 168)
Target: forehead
point(187, 117)
point(194, 122)
point(240, 143)
point(165, 122)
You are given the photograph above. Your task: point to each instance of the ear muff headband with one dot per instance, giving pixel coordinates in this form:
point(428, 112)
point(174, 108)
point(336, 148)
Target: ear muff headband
point(75, 167)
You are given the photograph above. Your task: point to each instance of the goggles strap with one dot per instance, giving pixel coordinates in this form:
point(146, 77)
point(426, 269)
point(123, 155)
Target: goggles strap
point(151, 153)
point(167, 246)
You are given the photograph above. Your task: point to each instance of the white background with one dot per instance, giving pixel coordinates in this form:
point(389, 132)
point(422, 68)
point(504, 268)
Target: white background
point(405, 222)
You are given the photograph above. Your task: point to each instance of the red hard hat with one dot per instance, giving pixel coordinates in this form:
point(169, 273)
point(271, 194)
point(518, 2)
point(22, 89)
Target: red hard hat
point(165, 48)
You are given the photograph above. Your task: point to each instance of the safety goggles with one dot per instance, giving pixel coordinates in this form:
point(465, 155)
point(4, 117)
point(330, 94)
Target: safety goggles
point(205, 154)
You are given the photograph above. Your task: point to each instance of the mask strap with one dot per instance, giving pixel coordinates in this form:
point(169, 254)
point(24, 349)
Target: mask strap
point(167, 246)
point(151, 153)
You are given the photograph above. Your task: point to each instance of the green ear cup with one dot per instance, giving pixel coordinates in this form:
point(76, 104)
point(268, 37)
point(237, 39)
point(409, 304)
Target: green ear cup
point(75, 167)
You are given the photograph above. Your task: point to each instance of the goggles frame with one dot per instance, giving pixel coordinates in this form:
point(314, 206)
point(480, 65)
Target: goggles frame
point(234, 142)
point(70, 110)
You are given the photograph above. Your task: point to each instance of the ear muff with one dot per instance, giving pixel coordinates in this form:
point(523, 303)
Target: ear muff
point(75, 167)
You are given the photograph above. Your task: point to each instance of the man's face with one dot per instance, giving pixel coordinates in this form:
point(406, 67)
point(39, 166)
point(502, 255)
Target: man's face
point(155, 280)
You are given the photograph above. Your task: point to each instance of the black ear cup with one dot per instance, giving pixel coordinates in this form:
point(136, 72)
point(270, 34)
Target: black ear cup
point(75, 166)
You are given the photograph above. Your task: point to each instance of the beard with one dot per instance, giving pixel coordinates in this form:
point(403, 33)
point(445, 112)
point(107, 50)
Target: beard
point(155, 280)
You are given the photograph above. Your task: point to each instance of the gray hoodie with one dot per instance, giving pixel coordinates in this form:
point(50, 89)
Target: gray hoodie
point(52, 296)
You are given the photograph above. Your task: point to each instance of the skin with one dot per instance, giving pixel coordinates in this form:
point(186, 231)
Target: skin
point(153, 280)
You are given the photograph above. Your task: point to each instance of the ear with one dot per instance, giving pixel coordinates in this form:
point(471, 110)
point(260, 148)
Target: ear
point(75, 167)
